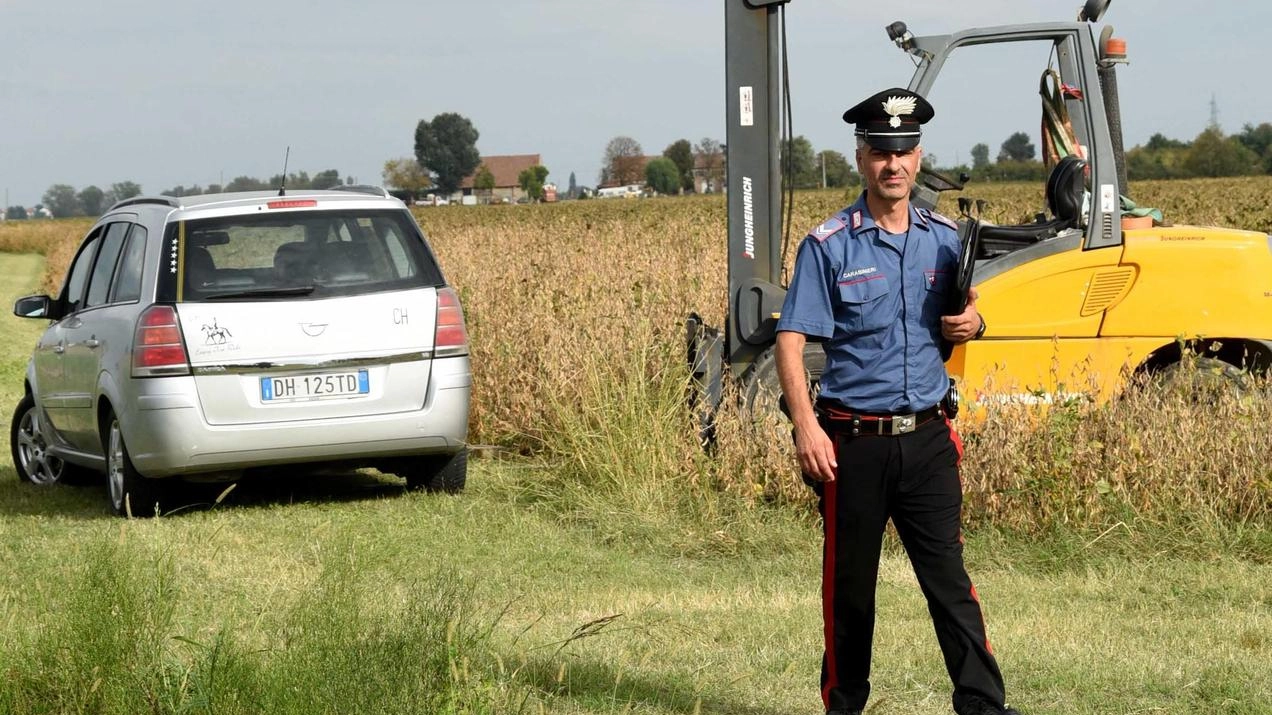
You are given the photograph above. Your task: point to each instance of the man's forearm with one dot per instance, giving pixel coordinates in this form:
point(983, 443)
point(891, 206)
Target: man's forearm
point(791, 374)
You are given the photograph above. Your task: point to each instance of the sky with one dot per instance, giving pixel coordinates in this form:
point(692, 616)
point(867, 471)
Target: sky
point(167, 94)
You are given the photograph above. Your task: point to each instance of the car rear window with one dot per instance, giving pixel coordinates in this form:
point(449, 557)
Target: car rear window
point(294, 255)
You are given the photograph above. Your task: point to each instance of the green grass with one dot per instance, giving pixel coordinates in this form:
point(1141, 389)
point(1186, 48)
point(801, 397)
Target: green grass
point(343, 594)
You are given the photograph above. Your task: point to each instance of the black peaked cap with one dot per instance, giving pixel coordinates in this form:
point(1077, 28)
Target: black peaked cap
point(891, 119)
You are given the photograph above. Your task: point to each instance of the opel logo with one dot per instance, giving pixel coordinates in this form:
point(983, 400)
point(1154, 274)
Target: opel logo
point(313, 330)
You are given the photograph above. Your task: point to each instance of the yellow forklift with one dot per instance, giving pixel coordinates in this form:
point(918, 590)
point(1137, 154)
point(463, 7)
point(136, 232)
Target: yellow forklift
point(1076, 301)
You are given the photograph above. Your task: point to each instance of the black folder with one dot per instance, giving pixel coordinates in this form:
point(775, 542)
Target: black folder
point(956, 299)
point(956, 296)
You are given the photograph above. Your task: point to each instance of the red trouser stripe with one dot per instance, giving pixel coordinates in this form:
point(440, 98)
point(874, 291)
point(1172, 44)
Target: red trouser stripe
point(958, 447)
point(958, 441)
point(830, 496)
point(984, 630)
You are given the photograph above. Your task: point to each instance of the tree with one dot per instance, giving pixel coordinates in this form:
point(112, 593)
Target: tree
point(15, 213)
point(246, 183)
point(1017, 171)
point(1143, 163)
point(124, 190)
point(325, 179)
point(1159, 141)
point(407, 175)
point(980, 156)
point(709, 159)
point(484, 181)
point(681, 154)
point(180, 190)
point(663, 175)
point(531, 181)
point(574, 187)
point(1017, 148)
point(797, 157)
point(62, 201)
point(1159, 158)
point(838, 172)
point(1213, 154)
point(91, 199)
point(447, 146)
point(623, 162)
point(1258, 140)
point(295, 180)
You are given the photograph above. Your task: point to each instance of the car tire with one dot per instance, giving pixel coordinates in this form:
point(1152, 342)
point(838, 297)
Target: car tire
point(437, 472)
point(28, 442)
point(131, 494)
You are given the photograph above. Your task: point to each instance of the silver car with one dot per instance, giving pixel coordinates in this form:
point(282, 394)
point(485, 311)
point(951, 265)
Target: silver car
point(204, 336)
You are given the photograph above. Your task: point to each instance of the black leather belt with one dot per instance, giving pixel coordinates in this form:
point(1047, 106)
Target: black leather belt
point(859, 423)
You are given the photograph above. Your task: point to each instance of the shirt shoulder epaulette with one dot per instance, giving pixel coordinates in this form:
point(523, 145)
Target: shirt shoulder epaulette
point(939, 218)
point(829, 227)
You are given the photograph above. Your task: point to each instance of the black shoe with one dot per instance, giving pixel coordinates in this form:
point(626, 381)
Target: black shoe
point(843, 712)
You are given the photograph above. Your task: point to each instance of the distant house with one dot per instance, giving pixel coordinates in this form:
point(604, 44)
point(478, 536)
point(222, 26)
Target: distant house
point(709, 173)
point(505, 169)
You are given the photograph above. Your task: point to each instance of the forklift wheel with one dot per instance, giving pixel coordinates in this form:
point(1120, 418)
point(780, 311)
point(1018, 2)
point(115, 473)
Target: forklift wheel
point(761, 388)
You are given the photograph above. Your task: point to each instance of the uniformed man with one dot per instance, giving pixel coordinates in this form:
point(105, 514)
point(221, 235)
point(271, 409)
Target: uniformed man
point(871, 285)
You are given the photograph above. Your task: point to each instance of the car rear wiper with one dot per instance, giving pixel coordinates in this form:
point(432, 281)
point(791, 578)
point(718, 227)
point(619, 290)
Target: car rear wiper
point(274, 292)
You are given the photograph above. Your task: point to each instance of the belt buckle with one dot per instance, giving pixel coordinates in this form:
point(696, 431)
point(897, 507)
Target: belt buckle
point(901, 424)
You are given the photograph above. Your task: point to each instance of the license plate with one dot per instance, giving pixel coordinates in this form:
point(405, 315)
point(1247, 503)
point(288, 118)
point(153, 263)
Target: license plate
point(315, 387)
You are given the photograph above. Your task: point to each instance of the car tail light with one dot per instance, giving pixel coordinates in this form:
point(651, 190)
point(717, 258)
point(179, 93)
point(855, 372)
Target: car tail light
point(158, 348)
point(451, 338)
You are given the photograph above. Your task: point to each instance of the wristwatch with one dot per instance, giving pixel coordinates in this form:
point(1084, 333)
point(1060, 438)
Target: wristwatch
point(980, 332)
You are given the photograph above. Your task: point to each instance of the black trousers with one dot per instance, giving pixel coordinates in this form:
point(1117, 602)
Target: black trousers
point(913, 479)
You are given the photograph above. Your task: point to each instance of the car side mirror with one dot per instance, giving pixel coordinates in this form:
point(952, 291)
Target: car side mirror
point(34, 306)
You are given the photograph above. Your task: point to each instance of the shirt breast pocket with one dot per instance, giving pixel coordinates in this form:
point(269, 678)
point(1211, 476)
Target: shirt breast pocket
point(864, 303)
point(938, 290)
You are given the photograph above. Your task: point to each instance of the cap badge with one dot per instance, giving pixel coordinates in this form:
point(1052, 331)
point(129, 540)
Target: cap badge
point(896, 106)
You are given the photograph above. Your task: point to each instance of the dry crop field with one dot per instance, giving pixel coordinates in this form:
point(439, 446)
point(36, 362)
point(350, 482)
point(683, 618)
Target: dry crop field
point(576, 313)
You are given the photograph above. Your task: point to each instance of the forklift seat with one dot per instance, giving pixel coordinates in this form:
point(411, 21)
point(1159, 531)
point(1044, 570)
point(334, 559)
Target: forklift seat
point(1065, 188)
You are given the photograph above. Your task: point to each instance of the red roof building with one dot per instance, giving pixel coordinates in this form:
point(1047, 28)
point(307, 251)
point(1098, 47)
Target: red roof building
point(505, 169)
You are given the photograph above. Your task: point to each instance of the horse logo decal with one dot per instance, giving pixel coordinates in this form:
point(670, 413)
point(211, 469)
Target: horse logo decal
point(214, 334)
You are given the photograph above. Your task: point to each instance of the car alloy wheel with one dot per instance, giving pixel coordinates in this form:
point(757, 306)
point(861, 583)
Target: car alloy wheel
point(115, 466)
point(30, 447)
point(131, 494)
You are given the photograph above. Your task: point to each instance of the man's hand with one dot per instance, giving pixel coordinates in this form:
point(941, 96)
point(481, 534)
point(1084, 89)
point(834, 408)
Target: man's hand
point(816, 452)
point(962, 327)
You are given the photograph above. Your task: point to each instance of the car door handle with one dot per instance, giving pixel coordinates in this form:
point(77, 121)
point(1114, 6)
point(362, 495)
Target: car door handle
point(92, 342)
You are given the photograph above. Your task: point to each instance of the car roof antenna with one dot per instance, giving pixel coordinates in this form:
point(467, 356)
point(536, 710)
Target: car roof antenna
point(282, 183)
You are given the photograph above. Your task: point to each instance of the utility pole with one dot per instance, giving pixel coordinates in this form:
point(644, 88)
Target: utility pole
point(1214, 112)
point(823, 158)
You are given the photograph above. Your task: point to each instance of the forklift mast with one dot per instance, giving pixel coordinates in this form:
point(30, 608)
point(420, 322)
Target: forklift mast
point(753, 110)
point(752, 141)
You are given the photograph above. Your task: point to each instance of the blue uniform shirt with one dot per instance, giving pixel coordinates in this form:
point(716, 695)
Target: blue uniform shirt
point(875, 300)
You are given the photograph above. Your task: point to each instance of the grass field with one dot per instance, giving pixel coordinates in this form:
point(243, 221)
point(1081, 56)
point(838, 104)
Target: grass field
point(584, 584)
